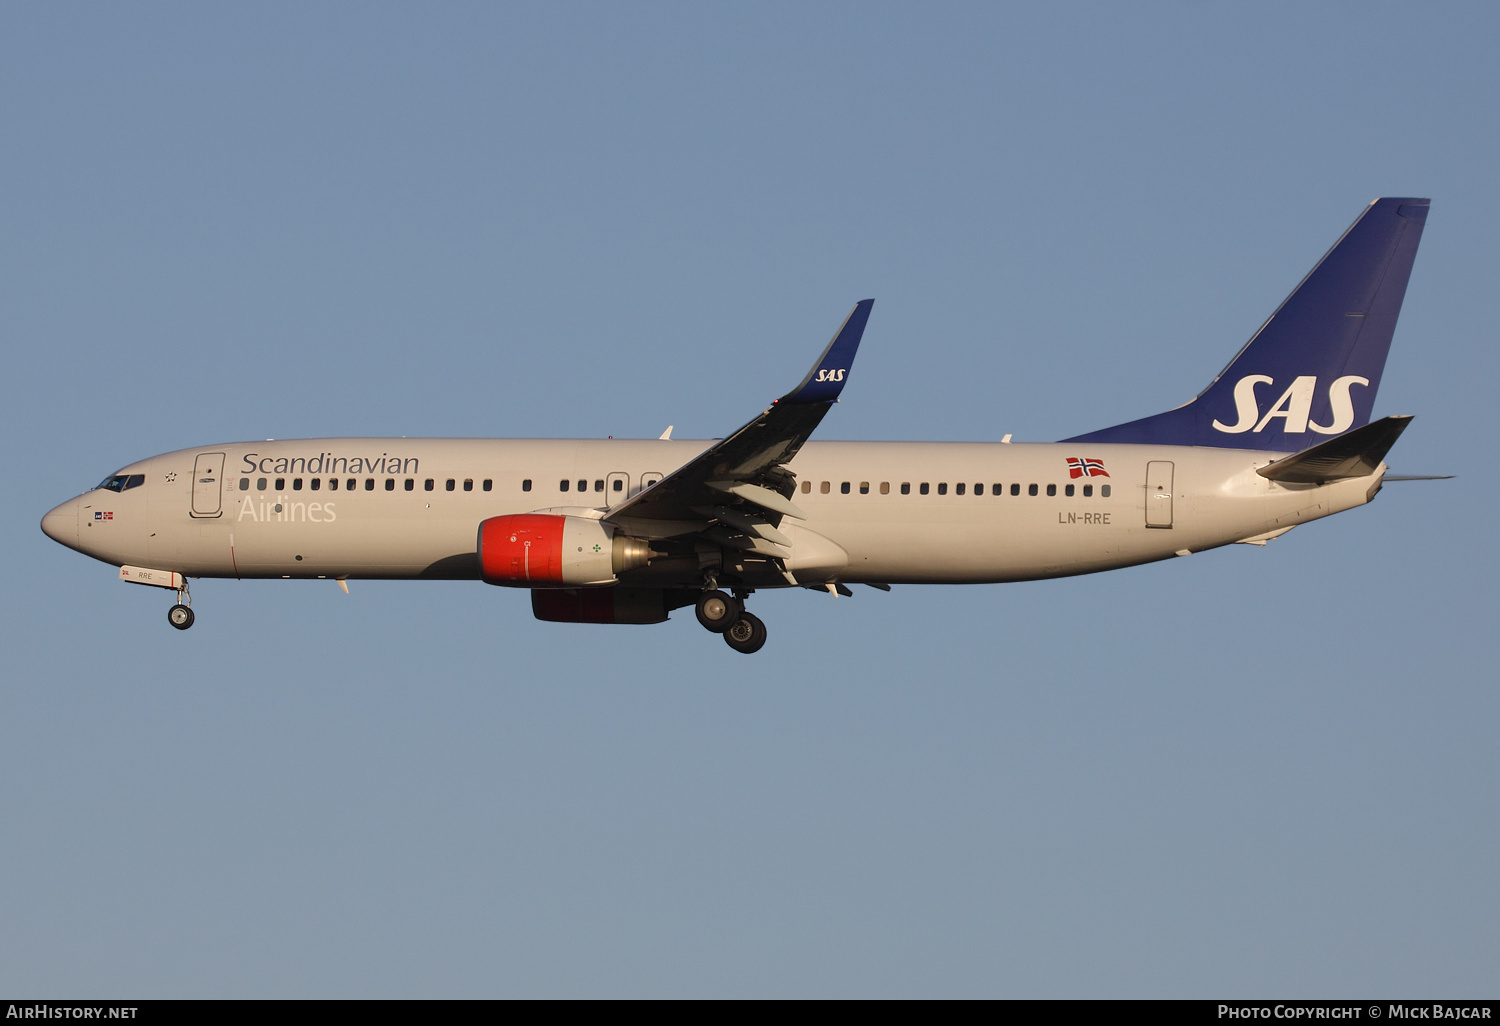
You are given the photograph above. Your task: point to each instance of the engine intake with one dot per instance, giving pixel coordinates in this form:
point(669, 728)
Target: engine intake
point(532, 550)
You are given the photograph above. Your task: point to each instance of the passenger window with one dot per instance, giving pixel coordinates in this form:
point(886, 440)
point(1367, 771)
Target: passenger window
point(583, 486)
point(1052, 489)
point(958, 489)
point(1068, 490)
point(1015, 489)
point(885, 488)
point(280, 483)
point(619, 485)
point(333, 484)
point(468, 484)
point(824, 487)
point(260, 484)
point(315, 483)
point(943, 488)
point(369, 484)
point(979, 488)
point(411, 484)
point(1031, 489)
point(923, 487)
point(1088, 490)
point(1104, 491)
point(806, 487)
point(390, 484)
point(296, 484)
point(489, 484)
point(905, 487)
point(997, 489)
point(349, 485)
point(844, 488)
point(526, 485)
point(599, 485)
point(450, 483)
point(428, 484)
point(244, 484)
point(864, 488)
point(562, 486)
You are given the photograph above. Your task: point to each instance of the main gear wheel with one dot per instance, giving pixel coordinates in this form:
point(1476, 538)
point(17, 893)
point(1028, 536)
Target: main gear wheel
point(747, 634)
point(717, 611)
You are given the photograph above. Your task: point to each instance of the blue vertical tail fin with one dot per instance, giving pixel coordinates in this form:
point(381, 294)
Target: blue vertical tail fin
point(1312, 369)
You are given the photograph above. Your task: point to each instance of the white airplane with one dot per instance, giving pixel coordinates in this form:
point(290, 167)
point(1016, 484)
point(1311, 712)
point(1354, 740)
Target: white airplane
point(624, 531)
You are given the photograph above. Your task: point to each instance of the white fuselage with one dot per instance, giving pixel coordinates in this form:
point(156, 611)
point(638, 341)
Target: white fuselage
point(393, 513)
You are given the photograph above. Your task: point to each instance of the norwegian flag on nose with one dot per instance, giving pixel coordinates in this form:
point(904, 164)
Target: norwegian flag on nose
point(1086, 468)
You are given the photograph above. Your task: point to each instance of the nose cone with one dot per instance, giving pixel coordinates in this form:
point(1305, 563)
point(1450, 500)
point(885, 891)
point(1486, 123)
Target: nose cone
point(61, 524)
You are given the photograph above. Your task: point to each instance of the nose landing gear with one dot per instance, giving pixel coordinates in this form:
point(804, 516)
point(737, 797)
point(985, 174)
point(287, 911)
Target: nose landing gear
point(181, 614)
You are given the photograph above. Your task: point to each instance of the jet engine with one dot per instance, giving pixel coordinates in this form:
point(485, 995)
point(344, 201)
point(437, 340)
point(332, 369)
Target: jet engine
point(542, 550)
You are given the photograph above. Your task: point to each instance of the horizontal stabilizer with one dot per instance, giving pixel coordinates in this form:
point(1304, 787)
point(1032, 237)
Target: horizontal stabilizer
point(1356, 454)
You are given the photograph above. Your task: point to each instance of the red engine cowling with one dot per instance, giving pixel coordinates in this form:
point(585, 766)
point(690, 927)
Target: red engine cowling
point(542, 550)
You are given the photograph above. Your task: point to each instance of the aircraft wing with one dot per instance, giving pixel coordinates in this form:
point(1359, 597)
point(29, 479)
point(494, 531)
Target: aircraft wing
point(741, 481)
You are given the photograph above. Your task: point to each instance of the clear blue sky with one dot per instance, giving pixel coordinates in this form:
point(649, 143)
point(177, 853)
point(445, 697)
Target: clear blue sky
point(1254, 771)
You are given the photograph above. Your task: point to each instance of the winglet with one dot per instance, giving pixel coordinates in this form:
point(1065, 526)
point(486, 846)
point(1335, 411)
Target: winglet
point(826, 379)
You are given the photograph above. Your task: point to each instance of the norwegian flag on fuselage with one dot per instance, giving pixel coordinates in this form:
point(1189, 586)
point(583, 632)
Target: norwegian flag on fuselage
point(1086, 468)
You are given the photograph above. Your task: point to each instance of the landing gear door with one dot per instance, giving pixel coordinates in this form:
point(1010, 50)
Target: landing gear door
point(1159, 494)
point(208, 472)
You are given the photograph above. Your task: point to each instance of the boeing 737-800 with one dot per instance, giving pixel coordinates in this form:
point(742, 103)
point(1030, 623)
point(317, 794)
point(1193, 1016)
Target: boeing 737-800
point(620, 531)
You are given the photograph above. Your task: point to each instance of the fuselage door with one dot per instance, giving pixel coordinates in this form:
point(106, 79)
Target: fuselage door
point(616, 489)
point(208, 469)
point(1159, 494)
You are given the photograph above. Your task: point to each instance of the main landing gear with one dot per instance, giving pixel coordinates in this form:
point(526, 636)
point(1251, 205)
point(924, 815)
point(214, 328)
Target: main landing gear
point(725, 614)
point(747, 634)
point(181, 615)
point(717, 611)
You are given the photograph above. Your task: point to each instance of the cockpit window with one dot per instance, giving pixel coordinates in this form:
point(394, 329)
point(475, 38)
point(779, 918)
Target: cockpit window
point(122, 482)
